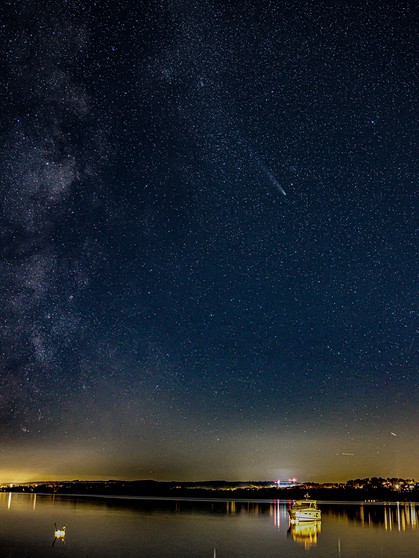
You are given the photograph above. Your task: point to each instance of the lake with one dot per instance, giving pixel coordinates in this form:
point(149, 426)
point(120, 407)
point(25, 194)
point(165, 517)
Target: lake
point(120, 528)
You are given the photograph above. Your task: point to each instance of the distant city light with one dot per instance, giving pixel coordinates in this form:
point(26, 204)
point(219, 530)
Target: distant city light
point(285, 483)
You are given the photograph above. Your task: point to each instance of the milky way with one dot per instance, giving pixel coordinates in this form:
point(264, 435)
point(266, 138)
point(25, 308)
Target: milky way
point(51, 151)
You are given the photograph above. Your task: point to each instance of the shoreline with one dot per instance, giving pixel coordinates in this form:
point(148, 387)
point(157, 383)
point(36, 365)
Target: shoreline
point(209, 500)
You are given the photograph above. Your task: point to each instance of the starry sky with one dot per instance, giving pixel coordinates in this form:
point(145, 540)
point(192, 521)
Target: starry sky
point(208, 253)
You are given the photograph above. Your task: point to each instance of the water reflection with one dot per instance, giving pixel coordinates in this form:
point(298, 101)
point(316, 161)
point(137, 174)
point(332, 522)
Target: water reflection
point(391, 515)
point(17, 499)
point(305, 533)
point(406, 516)
point(399, 516)
point(192, 528)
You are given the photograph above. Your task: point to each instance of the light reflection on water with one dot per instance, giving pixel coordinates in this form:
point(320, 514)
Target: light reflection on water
point(398, 516)
point(113, 527)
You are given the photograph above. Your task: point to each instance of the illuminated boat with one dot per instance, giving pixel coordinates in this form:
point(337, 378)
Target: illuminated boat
point(59, 533)
point(304, 510)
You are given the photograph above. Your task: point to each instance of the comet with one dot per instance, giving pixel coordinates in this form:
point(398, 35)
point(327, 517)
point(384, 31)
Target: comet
point(268, 173)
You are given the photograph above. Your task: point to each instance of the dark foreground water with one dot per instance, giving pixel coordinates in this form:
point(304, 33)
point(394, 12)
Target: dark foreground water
point(116, 528)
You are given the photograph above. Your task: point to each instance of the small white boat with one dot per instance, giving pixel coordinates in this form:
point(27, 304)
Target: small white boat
point(59, 533)
point(305, 510)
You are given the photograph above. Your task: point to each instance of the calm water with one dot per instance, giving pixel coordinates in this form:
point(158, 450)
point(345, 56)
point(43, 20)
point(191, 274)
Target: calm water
point(106, 527)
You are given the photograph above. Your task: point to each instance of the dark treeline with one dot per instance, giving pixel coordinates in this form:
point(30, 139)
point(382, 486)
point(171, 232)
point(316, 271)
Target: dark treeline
point(374, 488)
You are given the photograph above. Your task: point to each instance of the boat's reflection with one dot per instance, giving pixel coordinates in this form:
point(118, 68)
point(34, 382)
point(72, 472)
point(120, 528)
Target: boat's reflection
point(305, 533)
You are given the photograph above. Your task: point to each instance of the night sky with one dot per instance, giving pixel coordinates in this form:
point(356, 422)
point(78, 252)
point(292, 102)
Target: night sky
point(208, 254)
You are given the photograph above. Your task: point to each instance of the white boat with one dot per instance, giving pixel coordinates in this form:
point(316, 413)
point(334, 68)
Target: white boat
point(305, 510)
point(59, 533)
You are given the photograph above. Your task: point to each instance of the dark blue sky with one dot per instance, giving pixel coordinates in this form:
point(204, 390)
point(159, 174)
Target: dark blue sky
point(208, 240)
